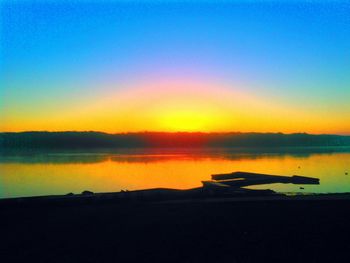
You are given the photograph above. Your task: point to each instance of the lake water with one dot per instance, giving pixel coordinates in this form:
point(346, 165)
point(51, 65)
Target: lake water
point(51, 173)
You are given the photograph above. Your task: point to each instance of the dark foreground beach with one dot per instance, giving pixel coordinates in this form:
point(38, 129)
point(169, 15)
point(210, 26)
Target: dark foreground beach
point(246, 229)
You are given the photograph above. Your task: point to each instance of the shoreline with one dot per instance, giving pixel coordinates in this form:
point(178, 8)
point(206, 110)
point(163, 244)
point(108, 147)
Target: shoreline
point(219, 222)
point(167, 195)
point(242, 230)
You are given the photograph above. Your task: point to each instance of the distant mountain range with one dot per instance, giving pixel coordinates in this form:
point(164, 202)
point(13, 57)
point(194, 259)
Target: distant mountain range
point(71, 140)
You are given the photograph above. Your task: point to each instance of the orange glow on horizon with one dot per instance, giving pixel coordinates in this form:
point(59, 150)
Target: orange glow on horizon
point(172, 106)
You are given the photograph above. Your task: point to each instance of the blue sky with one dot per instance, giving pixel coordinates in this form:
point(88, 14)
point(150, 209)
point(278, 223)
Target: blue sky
point(61, 51)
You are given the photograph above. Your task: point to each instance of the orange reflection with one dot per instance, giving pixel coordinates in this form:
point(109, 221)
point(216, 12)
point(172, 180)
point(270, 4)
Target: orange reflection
point(117, 172)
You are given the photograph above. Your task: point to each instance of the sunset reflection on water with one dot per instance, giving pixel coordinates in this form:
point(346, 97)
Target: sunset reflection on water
point(61, 173)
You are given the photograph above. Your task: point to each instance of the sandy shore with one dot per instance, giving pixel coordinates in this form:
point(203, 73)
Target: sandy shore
point(215, 229)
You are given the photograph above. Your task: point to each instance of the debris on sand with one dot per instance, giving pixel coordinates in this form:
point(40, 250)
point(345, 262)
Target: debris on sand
point(86, 192)
point(242, 179)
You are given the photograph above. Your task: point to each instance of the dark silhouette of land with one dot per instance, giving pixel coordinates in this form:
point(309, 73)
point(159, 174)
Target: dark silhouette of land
point(260, 229)
point(71, 140)
point(208, 224)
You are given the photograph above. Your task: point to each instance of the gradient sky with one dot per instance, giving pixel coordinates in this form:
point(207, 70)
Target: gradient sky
point(118, 66)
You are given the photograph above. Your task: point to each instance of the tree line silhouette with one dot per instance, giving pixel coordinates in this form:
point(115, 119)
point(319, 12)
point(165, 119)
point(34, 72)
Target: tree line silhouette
point(72, 139)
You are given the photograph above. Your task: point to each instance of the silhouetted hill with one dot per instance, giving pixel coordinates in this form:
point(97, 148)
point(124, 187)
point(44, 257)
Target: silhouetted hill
point(54, 140)
point(69, 140)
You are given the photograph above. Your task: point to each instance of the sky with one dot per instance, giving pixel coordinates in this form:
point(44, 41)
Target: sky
point(211, 66)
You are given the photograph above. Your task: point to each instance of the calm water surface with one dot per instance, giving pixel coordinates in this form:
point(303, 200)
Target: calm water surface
point(48, 173)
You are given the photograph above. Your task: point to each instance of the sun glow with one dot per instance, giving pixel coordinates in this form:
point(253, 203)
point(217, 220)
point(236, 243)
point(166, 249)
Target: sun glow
point(185, 120)
point(174, 106)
